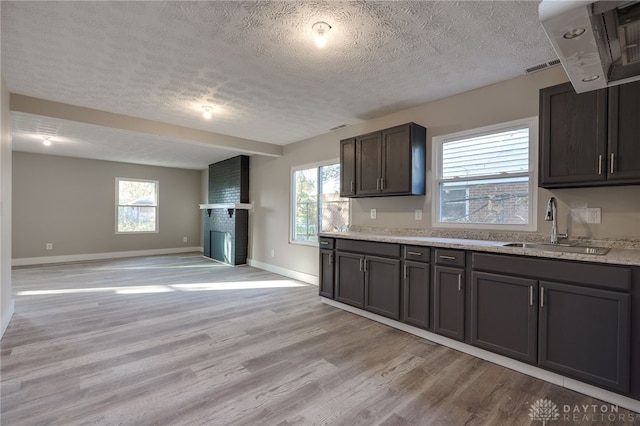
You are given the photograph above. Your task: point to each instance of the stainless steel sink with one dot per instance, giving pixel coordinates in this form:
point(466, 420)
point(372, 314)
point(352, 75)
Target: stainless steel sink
point(564, 248)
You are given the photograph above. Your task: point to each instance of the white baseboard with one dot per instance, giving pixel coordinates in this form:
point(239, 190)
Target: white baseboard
point(6, 317)
point(530, 370)
point(300, 276)
point(99, 256)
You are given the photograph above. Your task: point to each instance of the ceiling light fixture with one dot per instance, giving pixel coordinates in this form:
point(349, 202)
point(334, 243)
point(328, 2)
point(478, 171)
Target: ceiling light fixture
point(574, 33)
point(321, 29)
point(46, 141)
point(207, 111)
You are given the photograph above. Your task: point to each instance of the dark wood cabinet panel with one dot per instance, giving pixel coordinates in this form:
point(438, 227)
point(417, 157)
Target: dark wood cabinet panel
point(585, 333)
point(624, 132)
point(589, 139)
point(368, 163)
point(382, 286)
point(327, 273)
point(349, 285)
point(416, 291)
point(504, 315)
point(348, 167)
point(573, 136)
point(387, 162)
point(448, 301)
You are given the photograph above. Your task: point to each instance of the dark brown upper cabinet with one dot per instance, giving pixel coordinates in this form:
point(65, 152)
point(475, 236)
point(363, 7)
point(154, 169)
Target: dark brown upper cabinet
point(386, 162)
point(348, 167)
point(589, 139)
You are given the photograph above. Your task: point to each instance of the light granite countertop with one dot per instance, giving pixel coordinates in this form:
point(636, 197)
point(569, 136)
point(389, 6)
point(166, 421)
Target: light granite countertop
point(617, 255)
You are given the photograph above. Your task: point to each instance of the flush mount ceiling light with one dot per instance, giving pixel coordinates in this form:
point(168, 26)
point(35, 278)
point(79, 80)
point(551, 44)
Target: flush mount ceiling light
point(591, 78)
point(46, 141)
point(207, 111)
point(321, 29)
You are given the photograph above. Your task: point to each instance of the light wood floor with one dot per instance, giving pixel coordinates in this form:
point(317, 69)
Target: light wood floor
point(180, 340)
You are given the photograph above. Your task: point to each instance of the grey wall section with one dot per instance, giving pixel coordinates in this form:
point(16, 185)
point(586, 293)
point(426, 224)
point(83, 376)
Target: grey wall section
point(506, 101)
point(6, 296)
point(70, 202)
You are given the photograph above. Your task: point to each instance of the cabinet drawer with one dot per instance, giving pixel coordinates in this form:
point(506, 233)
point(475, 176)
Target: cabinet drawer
point(417, 253)
point(449, 257)
point(327, 243)
point(368, 247)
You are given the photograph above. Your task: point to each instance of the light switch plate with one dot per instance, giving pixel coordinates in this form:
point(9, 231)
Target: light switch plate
point(374, 213)
point(418, 214)
point(594, 215)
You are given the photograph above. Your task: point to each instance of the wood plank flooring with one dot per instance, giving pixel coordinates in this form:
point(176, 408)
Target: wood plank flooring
point(180, 340)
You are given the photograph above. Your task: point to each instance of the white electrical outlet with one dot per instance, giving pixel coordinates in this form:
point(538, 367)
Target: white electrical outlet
point(49, 246)
point(594, 215)
point(184, 239)
point(273, 253)
point(374, 213)
point(418, 214)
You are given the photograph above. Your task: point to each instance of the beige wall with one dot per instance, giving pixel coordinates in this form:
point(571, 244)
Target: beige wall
point(502, 102)
point(70, 202)
point(6, 296)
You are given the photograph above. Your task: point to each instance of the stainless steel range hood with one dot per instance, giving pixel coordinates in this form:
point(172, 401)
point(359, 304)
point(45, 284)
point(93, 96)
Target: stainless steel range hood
point(598, 43)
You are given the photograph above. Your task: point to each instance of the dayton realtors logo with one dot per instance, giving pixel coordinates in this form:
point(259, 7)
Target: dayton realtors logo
point(545, 410)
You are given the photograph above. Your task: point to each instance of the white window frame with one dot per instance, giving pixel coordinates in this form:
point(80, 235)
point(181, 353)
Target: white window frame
point(292, 199)
point(156, 206)
point(436, 167)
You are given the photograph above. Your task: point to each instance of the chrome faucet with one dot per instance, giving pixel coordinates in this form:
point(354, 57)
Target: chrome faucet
point(552, 216)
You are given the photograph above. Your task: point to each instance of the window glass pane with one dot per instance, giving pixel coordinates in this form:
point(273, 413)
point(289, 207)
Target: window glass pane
point(335, 210)
point(306, 205)
point(136, 219)
point(490, 201)
point(136, 193)
point(493, 154)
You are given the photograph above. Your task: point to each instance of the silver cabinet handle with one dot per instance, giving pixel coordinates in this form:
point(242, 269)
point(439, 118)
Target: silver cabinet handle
point(352, 186)
point(613, 159)
point(378, 184)
point(531, 295)
point(600, 164)
point(360, 265)
point(414, 253)
point(459, 282)
point(542, 297)
point(381, 184)
point(330, 258)
point(324, 243)
point(365, 265)
point(448, 257)
point(405, 271)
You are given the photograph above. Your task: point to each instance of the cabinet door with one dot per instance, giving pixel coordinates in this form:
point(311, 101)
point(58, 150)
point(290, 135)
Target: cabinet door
point(396, 160)
point(624, 132)
point(382, 286)
point(448, 303)
point(349, 278)
point(504, 315)
point(348, 167)
point(326, 273)
point(573, 137)
point(415, 294)
point(584, 333)
point(368, 163)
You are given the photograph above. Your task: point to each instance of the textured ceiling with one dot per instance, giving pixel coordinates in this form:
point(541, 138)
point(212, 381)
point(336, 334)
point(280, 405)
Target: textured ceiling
point(255, 62)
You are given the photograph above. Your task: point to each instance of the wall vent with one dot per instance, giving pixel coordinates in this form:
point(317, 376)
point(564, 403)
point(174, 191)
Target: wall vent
point(342, 126)
point(542, 66)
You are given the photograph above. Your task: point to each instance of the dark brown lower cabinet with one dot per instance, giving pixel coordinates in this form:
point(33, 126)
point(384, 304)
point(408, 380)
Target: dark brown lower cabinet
point(382, 286)
point(585, 333)
point(349, 278)
point(415, 293)
point(504, 315)
point(448, 297)
point(327, 278)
